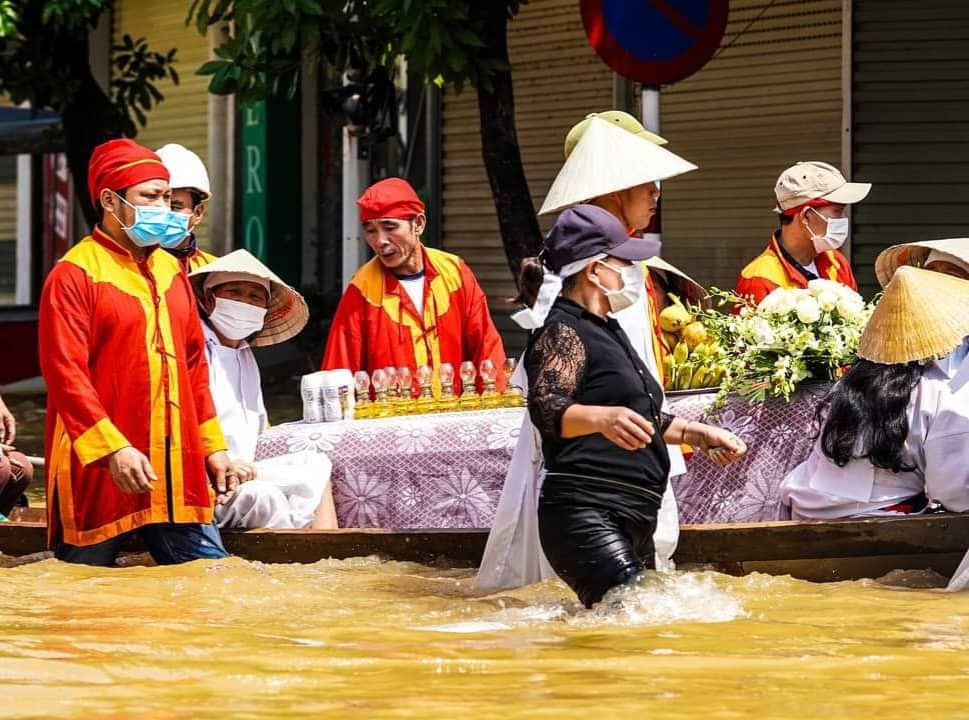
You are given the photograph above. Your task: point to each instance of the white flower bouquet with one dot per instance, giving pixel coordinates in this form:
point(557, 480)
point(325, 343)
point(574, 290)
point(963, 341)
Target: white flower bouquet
point(792, 337)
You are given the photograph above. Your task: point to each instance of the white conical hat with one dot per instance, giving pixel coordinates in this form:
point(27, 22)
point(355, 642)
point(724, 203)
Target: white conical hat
point(609, 159)
point(917, 253)
point(287, 313)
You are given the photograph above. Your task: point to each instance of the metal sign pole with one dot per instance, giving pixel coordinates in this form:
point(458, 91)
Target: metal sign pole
point(355, 172)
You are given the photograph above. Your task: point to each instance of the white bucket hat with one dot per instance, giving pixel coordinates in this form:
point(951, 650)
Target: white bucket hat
point(609, 159)
point(917, 253)
point(186, 169)
point(287, 313)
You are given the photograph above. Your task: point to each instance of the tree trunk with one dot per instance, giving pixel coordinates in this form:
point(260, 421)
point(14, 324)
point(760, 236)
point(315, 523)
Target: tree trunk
point(89, 118)
point(517, 221)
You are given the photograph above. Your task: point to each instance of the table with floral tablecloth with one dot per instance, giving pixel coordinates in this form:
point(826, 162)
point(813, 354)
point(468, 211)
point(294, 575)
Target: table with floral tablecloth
point(447, 470)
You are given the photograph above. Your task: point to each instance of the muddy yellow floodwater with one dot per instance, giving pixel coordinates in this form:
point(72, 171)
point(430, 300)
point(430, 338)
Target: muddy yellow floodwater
point(365, 638)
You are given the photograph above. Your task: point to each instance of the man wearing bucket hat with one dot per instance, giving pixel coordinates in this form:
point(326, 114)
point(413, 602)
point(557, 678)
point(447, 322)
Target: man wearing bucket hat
point(599, 411)
point(245, 305)
point(410, 305)
point(614, 166)
point(132, 434)
point(895, 430)
point(190, 191)
point(812, 198)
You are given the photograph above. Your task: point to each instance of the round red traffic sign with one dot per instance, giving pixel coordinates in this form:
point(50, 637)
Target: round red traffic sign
point(655, 42)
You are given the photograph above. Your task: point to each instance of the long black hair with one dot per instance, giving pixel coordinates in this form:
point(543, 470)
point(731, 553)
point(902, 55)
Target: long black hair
point(867, 414)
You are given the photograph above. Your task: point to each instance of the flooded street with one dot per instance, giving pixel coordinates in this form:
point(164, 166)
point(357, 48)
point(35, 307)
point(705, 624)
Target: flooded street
point(364, 637)
point(368, 638)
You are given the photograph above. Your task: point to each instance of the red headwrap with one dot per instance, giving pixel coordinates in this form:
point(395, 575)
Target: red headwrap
point(390, 198)
point(119, 164)
point(816, 202)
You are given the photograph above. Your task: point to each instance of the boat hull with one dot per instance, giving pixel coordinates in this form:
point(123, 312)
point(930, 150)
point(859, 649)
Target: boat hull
point(818, 551)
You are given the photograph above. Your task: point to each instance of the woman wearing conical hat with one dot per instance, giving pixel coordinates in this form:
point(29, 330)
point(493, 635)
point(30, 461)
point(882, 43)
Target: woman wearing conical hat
point(614, 163)
point(949, 256)
point(243, 305)
point(894, 431)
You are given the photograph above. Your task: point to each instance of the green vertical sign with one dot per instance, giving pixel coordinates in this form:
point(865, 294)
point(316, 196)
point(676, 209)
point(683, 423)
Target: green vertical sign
point(254, 158)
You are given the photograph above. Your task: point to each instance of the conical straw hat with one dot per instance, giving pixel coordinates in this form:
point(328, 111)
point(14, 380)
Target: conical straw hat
point(911, 322)
point(915, 253)
point(287, 313)
point(695, 291)
point(609, 159)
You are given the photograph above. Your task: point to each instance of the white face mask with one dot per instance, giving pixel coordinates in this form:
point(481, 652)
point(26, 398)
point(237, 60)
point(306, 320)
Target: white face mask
point(236, 320)
point(631, 290)
point(834, 235)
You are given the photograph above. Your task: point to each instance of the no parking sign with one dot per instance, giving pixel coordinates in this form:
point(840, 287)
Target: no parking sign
point(655, 42)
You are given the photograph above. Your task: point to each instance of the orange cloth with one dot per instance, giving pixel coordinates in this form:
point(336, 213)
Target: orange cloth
point(376, 325)
point(121, 163)
point(654, 305)
point(123, 357)
point(771, 270)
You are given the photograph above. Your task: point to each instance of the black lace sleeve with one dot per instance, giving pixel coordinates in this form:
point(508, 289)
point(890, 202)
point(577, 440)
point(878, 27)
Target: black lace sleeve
point(555, 365)
point(665, 420)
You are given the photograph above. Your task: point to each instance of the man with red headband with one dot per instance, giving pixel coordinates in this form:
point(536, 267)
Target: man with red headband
point(132, 434)
point(410, 305)
point(811, 200)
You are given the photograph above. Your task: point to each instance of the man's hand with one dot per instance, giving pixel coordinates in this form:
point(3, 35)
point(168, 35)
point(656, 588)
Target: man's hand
point(243, 470)
point(625, 428)
point(131, 470)
point(221, 476)
point(8, 426)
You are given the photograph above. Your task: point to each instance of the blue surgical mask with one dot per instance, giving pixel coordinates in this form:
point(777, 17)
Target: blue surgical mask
point(154, 225)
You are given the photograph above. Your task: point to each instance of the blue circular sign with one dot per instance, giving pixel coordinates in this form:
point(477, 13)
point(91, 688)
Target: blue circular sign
point(655, 41)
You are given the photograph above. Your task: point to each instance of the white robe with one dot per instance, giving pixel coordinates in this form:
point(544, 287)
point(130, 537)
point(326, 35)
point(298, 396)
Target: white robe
point(513, 556)
point(938, 419)
point(287, 489)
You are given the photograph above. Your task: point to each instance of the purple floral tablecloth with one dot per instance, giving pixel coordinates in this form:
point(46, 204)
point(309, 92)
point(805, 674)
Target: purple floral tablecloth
point(447, 471)
point(423, 471)
point(779, 436)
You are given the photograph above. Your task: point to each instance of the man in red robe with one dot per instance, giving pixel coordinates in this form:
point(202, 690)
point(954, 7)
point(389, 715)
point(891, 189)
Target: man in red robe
point(410, 305)
point(812, 199)
point(132, 436)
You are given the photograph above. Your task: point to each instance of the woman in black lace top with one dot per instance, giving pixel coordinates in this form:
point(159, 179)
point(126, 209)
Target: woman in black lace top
point(600, 411)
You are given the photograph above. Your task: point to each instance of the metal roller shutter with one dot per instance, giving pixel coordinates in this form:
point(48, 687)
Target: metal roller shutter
point(183, 115)
point(770, 99)
point(910, 103)
point(558, 79)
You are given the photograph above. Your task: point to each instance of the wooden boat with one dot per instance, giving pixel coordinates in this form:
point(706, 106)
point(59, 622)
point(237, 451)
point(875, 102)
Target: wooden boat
point(818, 550)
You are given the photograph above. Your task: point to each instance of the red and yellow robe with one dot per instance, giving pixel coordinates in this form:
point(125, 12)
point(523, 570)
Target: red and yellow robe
point(771, 270)
point(123, 357)
point(376, 325)
point(196, 260)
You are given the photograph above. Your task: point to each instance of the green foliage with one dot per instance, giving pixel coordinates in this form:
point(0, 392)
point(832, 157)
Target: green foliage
point(445, 41)
point(136, 70)
point(8, 18)
point(33, 38)
point(44, 58)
